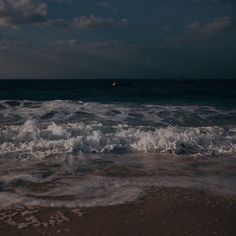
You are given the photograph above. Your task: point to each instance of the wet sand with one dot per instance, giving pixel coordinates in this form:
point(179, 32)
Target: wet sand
point(161, 212)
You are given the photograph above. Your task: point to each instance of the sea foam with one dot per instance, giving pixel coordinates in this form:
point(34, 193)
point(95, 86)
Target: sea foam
point(39, 141)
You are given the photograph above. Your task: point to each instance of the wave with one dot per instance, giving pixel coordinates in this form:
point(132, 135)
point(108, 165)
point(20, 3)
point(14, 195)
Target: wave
point(18, 112)
point(70, 131)
point(41, 140)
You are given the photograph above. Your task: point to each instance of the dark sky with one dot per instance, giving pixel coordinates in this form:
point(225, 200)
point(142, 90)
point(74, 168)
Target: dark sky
point(117, 39)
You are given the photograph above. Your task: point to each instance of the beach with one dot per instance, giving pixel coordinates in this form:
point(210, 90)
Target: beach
point(162, 212)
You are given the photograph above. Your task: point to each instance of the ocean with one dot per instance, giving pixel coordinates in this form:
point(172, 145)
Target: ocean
point(86, 143)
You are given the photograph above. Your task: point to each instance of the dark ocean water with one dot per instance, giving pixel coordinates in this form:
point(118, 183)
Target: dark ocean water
point(172, 92)
point(84, 143)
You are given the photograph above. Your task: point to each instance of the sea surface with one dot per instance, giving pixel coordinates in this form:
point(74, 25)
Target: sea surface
point(86, 143)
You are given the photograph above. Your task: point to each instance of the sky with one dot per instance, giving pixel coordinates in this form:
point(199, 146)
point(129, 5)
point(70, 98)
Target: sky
point(86, 39)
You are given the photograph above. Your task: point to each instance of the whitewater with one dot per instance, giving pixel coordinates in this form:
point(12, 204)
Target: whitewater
point(39, 129)
point(72, 153)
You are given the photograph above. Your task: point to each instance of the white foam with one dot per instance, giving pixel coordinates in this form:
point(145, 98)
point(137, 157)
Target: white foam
point(93, 191)
point(56, 129)
point(61, 111)
point(38, 141)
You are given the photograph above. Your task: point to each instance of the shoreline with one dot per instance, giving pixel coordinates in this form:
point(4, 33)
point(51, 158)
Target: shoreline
point(164, 211)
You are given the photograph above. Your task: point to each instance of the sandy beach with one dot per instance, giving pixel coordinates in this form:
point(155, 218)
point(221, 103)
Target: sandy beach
point(162, 212)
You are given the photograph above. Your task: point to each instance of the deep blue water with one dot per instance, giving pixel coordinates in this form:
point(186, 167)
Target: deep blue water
point(174, 92)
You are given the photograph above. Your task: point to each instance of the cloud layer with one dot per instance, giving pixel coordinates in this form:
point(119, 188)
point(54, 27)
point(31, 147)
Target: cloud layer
point(199, 32)
point(210, 29)
point(19, 12)
point(93, 22)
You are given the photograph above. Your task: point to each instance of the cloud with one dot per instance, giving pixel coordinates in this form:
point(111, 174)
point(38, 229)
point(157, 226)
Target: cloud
point(86, 23)
point(19, 12)
point(14, 13)
point(93, 22)
point(56, 23)
point(11, 44)
point(98, 48)
point(211, 29)
point(107, 5)
point(198, 31)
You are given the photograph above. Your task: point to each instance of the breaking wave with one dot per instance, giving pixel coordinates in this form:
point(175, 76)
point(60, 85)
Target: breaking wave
point(39, 129)
point(37, 140)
